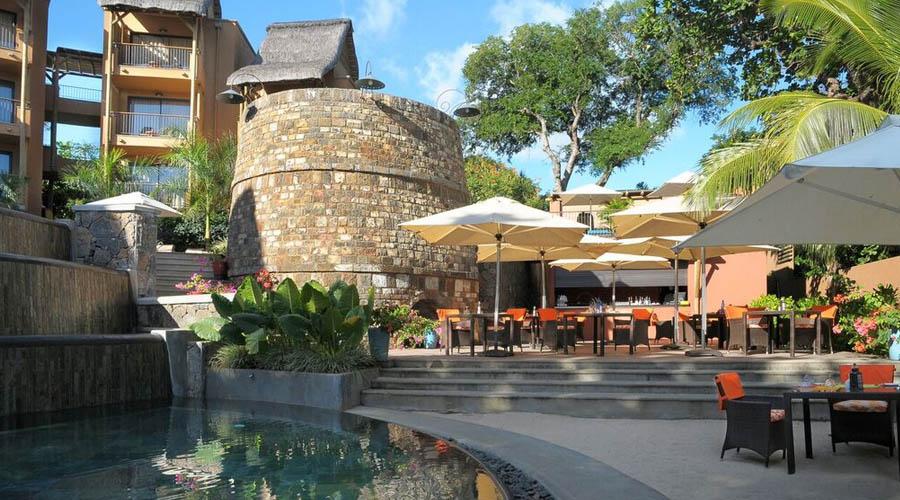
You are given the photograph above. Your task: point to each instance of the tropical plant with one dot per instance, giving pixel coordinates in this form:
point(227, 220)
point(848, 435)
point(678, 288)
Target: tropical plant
point(391, 318)
point(103, 176)
point(487, 178)
point(851, 43)
point(219, 248)
point(188, 230)
point(11, 190)
point(210, 169)
point(412, 333)
point(866, 320)
point(272, 320)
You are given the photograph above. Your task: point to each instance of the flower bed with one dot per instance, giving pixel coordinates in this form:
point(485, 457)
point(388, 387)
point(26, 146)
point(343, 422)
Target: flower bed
point(866, 320)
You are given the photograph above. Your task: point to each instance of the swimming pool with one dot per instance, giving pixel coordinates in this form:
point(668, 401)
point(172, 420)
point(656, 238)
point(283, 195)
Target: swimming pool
point(234, 451)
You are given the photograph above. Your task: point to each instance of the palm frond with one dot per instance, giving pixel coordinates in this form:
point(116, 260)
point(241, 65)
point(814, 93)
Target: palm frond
point(736, 169)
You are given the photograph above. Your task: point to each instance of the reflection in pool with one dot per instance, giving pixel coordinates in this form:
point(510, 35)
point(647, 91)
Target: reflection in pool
point(228, 450)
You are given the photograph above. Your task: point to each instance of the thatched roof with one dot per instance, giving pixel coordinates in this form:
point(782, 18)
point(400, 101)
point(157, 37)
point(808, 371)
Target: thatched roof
point(305, 50)
point(203, 8)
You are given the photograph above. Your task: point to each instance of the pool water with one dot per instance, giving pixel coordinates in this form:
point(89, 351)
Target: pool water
point(234, 451)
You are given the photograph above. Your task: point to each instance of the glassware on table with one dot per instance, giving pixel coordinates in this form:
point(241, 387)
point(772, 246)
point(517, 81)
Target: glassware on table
point(806, 381)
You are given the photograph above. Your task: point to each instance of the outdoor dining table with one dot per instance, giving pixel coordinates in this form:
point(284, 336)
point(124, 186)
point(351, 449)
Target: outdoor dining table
point(477, 318)
point(600, 317)
point(805, 394)
point(696, 320)
point(773, 316)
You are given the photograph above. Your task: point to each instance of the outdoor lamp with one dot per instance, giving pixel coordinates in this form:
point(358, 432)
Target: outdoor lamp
point(466, 110)
point(369, 82)
point(230, 96)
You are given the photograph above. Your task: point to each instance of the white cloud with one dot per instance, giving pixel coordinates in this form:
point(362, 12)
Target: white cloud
point(390, 67)
point(442, 70)
point(511, 13)
point(379, 17)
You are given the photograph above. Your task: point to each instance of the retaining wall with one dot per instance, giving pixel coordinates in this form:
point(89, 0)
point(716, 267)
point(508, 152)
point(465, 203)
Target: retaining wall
point(26, 234)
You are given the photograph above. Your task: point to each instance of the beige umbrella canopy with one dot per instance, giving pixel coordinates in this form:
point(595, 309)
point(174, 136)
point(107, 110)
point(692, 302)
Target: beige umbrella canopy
point(612, 262)
point(664, 217)
point(589, 194)
point(598, 245)
point(497, 220)
point(517, 253)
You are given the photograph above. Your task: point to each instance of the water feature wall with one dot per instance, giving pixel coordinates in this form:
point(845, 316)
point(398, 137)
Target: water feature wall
point(67, 331)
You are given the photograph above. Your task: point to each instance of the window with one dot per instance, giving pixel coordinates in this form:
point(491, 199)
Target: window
point(5, 162)
point(7, 29)
point(153, 116)
point(7, 104)
point(587, 219)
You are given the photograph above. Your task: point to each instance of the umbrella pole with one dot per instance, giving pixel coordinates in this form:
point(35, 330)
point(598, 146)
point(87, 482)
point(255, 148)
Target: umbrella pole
point(496, 351)
point(614, 288)
point(703, 351)
point(543, 283)
point(675, 301)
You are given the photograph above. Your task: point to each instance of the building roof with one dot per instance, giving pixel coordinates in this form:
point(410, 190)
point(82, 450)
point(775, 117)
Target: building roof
point(202, 8)
point(75, 62)
point(129, 202)
point(305, 50)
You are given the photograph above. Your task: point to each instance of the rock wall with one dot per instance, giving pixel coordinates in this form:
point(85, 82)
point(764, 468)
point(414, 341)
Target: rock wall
point(324, 177)
point(124, 241)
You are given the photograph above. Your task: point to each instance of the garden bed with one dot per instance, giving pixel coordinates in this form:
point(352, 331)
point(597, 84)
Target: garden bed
point(338, 391)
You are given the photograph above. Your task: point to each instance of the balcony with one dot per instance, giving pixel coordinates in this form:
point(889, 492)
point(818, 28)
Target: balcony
point(143, 66)
point(147, 131)
point(9, 117)
point(154, 56)
point(8, 36)
point(79, 93)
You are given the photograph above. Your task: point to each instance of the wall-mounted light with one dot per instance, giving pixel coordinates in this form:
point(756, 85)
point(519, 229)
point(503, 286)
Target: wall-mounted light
point(369, 82)
point(460, 109)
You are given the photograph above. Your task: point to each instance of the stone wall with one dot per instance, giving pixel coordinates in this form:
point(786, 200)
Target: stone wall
point(59, 373)
point(27, 234)
point(124, 241)
point(515, 286)
point(176, 311)
point(52, 297)
point(324, 177)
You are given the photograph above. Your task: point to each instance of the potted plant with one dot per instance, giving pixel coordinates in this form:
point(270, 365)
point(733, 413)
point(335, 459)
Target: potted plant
point(385, 322)
point(219, 250)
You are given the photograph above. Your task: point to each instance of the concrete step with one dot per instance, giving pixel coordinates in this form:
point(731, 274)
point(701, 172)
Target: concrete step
point(577, 404)
point(601, 375)
point(719, 364)
point(566, 386)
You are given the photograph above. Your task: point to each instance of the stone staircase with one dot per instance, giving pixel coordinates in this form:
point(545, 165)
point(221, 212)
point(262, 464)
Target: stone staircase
point(177, 267)
point(585, 387)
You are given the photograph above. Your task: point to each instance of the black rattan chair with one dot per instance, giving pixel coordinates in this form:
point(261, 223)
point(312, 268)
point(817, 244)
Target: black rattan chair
point(863, 421)
point(753, 422)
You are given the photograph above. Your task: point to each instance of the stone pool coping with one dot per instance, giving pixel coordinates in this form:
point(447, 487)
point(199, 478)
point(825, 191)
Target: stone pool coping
point(564, 473)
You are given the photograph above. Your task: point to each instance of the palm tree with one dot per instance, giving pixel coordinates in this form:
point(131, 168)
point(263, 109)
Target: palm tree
point(210, 169)
point(859, 39)
point(105, 176)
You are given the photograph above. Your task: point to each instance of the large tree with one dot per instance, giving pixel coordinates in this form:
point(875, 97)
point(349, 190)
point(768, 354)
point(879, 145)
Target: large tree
point(487, 178)
point(596, 92)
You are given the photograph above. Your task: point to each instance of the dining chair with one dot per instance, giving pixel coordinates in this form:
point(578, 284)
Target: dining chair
point(549, 333)
point(865, 421)
point(752, 422)
point(738, 326)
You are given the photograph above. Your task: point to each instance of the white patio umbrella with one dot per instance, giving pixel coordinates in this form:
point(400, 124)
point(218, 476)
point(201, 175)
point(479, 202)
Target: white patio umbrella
point(612, 262)
point(848, 195)
point(662, 246)
point(676, 185)
point(497, 220)
point(670, 216)
point(519, 253)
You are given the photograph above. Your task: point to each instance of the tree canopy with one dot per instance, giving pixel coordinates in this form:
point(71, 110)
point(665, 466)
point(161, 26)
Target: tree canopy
point(487, 178)
point(597, 92)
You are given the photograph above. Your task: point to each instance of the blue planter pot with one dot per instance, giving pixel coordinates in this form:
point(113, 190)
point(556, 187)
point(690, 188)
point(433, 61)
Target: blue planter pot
point(894, 351)
point(379, 343)
point(431, 339)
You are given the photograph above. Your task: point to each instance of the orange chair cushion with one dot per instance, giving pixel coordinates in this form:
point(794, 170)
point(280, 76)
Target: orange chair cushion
point(861, 406)
point(872, 374)
point(735, 312)
point(826, 312)
point(642, 314)
point(548, 314)
point(444, 313)
point(776, 415)
point(517, 314)
point(730, 387)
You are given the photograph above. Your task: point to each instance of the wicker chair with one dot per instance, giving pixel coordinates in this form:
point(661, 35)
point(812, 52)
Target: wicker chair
point(451, 323)
point(643, 319)
point(863, 421)
point(549, 334)
point(738, 327)
point(621, 334)
point(516, 319)
point(805, 328)
point(689, 334)
point(753, 422)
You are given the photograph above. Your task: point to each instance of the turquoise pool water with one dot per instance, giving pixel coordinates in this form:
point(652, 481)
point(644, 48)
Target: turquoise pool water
point(233, 451)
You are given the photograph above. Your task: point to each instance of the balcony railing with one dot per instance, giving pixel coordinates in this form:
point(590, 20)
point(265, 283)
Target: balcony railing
point(8, 36)
point(79, 93)
point(9, 110)
point(154, 56)
point(151, 125)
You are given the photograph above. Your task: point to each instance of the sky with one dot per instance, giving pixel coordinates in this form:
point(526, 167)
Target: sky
point(417, 47)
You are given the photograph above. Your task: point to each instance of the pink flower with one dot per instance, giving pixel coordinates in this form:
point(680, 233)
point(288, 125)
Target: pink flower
point(838, 329)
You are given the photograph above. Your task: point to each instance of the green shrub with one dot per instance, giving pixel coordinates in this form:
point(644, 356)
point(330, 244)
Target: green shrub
point(315, 362)
point(412, 334)
point(391, 319)
point(233, 356)
point(272, 321)
point(187, 231)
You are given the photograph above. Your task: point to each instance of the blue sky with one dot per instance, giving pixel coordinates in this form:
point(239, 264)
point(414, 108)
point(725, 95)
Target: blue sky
point(416, 46)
